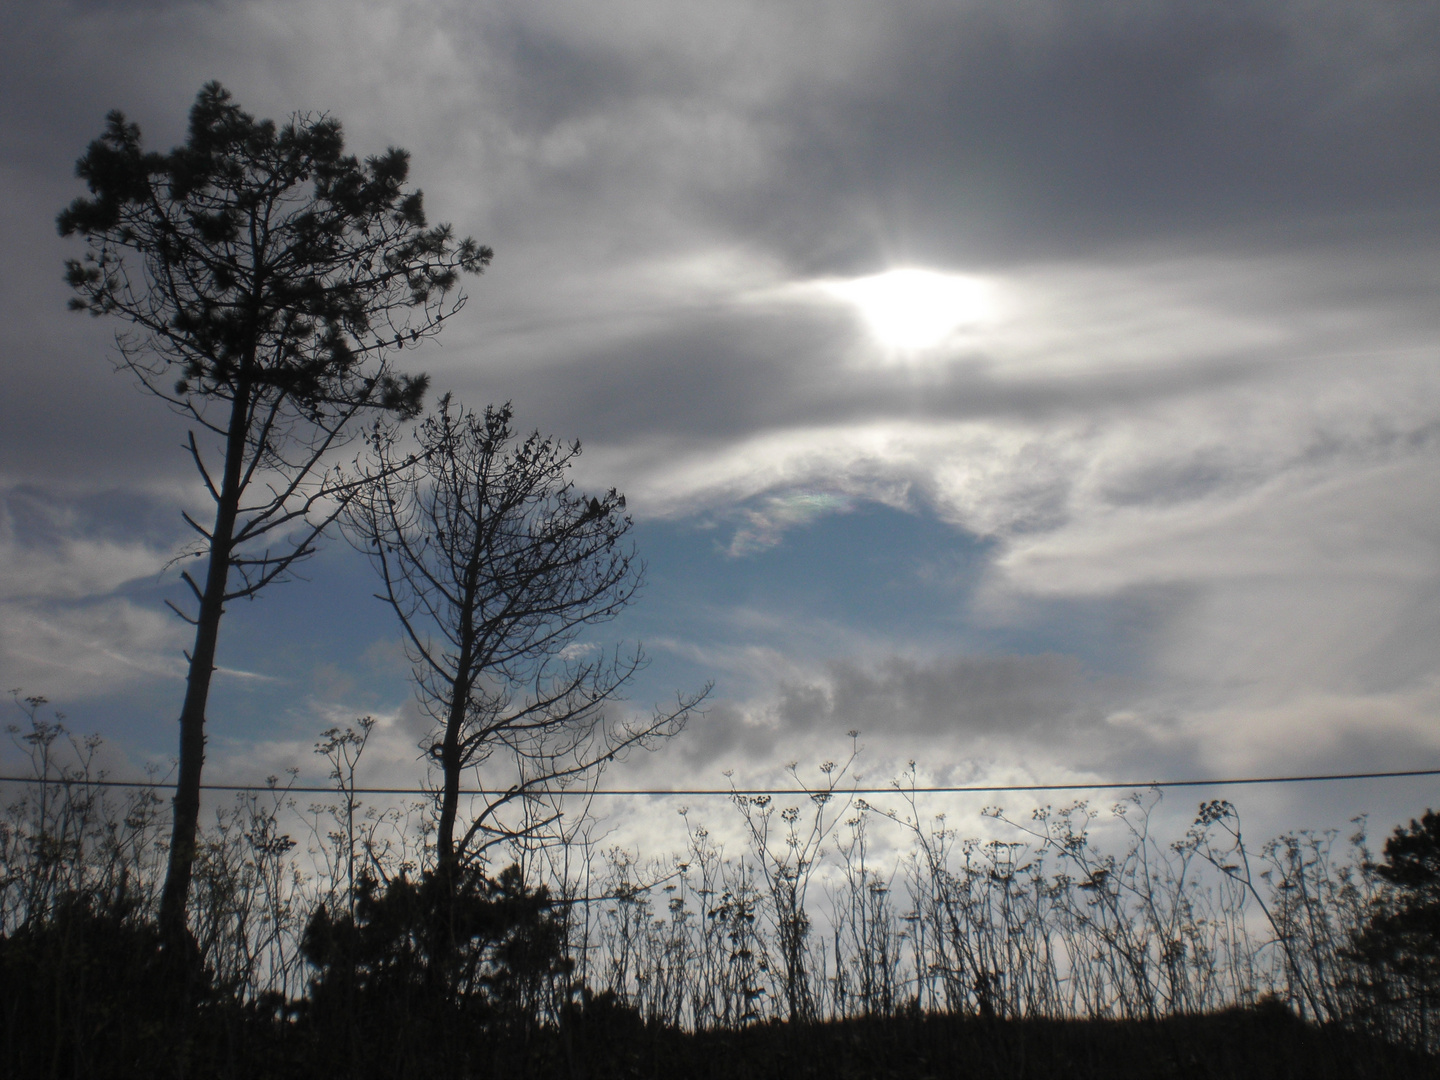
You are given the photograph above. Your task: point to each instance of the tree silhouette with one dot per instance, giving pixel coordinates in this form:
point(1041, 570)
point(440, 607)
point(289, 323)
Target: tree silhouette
point(421, 968)
point(494, 563)
point(1401, 941)
point(267, 277)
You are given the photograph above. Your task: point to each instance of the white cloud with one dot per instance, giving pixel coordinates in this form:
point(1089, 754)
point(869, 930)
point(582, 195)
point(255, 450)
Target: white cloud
point(90, 650)
point(63, 632)
point(1366, 521)
point(56, 564)
point(765, 525)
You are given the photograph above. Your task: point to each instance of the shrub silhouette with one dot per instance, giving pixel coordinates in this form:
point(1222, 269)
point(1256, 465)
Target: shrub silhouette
point(1399, 947)
point(427, 975)
point(88, 992)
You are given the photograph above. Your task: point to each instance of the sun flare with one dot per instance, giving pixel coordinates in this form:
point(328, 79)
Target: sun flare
point(910, 308)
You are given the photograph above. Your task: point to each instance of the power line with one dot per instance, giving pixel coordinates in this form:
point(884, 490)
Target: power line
point(964, 789)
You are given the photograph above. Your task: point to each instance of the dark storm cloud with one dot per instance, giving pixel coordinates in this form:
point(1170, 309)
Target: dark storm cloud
point(544, 78)
point(984, 130)
point(998, 128)
point(965, 135)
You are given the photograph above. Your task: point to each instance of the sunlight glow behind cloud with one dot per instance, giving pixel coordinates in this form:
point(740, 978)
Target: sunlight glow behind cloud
point(908, 308)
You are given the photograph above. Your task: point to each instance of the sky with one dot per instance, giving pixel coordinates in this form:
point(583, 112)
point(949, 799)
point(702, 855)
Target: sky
point(1047, 390)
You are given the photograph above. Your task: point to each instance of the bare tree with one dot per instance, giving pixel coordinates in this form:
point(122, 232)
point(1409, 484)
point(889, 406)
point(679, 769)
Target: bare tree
point(494, 564)
point(268, 278)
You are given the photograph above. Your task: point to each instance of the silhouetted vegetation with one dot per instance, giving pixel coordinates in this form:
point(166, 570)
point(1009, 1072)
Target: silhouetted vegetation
point(493, 563)
point(343, 954)
point(1396, 954)
point(425, 970)
point(266, 279)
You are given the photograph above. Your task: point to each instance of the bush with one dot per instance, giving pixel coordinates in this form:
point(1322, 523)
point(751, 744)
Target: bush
point(428, 975)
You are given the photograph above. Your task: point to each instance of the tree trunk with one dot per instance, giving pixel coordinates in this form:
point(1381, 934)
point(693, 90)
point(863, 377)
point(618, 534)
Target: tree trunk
point(447, 858)
point(174, 897)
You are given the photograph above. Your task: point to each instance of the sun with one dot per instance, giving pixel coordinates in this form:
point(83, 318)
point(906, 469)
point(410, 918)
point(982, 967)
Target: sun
point(910, 309)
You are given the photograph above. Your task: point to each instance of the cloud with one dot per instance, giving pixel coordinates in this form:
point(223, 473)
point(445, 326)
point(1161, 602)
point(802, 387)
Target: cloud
point(1206, 392)
point(64, 631)
point(766, 524)
point(74, 568)
point(1362, 520)
point(960, 698)
point(391, 757)
point(1179, 367)
point(96, 649)
point(957, 712)
point(658, 183)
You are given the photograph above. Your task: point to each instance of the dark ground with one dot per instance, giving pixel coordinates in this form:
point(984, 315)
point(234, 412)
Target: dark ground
point(1251, 1044)
point(90, 997)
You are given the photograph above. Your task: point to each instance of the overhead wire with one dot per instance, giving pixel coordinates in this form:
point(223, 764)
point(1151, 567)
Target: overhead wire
point(759, 792)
